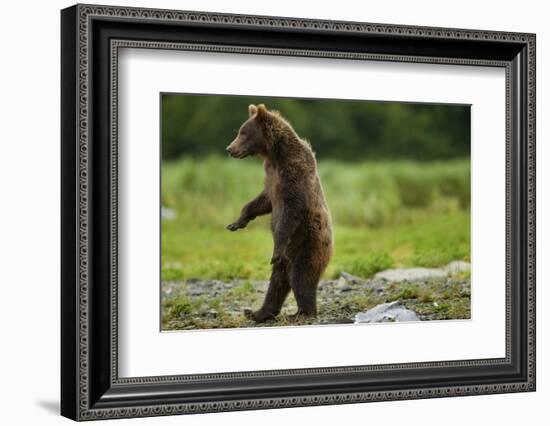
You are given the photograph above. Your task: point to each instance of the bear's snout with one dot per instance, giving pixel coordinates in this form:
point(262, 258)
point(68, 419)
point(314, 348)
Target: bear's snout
point(234, 150)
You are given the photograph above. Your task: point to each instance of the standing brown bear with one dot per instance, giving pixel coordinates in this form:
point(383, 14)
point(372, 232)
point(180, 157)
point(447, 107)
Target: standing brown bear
point(300, 218)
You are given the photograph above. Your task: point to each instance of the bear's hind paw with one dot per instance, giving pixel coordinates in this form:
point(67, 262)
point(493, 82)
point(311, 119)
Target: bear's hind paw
point(301, 316)
point(257, 316)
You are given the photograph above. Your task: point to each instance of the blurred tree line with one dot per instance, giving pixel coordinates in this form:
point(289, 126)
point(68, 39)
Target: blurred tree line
point(200, 125)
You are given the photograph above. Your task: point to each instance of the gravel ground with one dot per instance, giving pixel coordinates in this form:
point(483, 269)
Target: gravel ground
point(433, 294)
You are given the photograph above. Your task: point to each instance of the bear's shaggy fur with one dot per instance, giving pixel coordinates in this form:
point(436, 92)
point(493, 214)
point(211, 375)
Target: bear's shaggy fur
point(300, 218)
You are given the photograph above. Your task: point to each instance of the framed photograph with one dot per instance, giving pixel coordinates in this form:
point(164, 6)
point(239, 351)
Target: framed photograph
point(263, 212)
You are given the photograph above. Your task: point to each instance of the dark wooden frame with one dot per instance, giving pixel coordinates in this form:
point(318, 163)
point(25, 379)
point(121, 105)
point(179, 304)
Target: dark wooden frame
point(90, 386)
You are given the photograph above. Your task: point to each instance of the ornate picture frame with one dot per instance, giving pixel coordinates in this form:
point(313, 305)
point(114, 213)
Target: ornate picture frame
point(91, 37)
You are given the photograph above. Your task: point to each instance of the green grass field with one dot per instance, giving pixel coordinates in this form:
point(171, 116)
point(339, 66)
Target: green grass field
point(384, 214)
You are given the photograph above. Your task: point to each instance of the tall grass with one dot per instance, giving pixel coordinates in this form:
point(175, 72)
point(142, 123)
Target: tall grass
point(211, 192)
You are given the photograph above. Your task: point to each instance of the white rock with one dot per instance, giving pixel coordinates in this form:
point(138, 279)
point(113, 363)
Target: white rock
point(411, 274)
point(457, 266)
point(386, 312)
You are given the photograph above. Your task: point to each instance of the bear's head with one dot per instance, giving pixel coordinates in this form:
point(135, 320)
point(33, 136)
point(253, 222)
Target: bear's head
point(251, 139)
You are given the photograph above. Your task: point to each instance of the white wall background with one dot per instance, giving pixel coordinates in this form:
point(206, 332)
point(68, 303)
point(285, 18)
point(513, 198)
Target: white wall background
point(29, 211)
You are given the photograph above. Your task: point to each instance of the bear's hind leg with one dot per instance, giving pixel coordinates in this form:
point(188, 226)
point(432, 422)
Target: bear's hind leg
point(304, 279)
point(278, 290)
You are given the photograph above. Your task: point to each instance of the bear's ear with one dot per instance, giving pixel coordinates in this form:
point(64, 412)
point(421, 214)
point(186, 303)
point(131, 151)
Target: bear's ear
point(252, 110)
point(262, 111)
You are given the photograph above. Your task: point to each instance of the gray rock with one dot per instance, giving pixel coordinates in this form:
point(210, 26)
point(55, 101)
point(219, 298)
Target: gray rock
point(215, 284)
point(457, 266)
point(423, 274)
point(465, 290)
point(380, 289)
point(411, 274)
point(172, 289)
point(377, 285)
point(352, 279)
point(211, 314)
point(324, 284)
point(195, 291)
point(343, 285)
point(386, 312)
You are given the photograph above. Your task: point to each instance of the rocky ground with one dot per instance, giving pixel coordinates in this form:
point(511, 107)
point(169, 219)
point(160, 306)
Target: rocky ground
point(413, 294)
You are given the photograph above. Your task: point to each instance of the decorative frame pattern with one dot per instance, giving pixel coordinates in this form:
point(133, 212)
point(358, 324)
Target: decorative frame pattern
point(88, 402)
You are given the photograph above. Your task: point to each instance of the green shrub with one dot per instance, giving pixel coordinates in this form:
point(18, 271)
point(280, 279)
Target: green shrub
point(417, 187)
point(455, 182)
point(181, 305)
point(359, 195)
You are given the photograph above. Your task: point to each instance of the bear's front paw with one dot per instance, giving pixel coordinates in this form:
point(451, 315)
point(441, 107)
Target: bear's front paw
point(234, 226)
